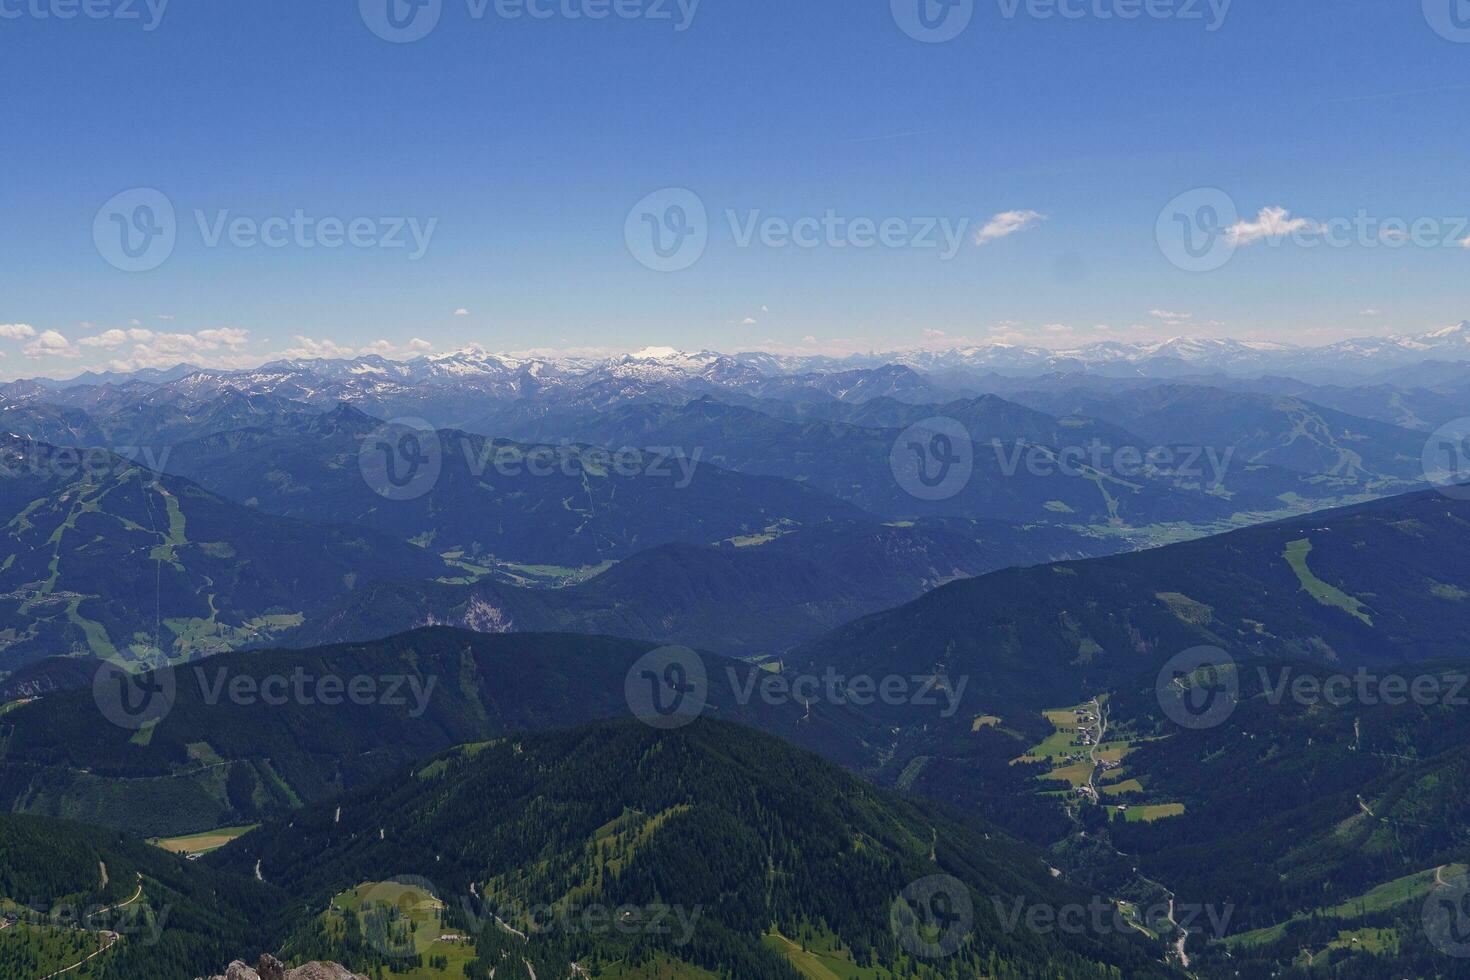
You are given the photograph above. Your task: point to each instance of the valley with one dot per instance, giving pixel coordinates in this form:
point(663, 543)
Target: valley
point(952, 701)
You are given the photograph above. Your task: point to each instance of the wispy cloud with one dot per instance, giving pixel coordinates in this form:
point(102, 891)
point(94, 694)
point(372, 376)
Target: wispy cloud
point(50, 344)
point(1271, 223)
point(753, 320)
point(221, 347)
point(1007, 223)
point(110, 339)
point(883, 138)
point(16, 331)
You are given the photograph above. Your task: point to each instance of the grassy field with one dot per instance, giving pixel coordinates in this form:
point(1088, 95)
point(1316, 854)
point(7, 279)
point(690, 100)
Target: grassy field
point(1062, 742)
point(411, 917)
point(530, 576)
point(1148, 812)
point(1409, 888)
point(47, 949)
point(661, 967)
point(1349, 941)
point(1123, 786)
point(824, 958)
point(203, 843)
point(1329, 595)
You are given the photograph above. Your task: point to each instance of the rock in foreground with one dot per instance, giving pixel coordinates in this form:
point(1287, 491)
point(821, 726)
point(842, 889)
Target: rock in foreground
point(270, 968)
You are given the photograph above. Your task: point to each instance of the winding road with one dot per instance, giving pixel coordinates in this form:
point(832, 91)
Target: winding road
point(110, 938)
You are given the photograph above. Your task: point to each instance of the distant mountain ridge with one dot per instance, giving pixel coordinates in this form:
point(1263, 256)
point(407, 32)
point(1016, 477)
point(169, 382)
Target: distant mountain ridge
point(1354, 357)
point(108, 559)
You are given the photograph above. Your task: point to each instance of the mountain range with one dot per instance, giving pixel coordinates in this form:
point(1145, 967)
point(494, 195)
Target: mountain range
point(1358, 359)
point(502, 580)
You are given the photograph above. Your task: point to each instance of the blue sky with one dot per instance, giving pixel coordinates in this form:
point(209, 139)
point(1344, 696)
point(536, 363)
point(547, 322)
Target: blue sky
point(519, 147)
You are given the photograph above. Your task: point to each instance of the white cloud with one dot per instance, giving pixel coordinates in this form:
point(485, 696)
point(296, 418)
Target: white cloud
point(1465, 243)
point(461, 312)
point(386, 348)
point(752, 320)
point(1271, 223)
point(17, 331)
point(108, 339)
point(1007, 223)
point(223, 337)
point(1170, 316)
point(50, 344)
point(1370, 313)
point(221, 347)
point(308, 348)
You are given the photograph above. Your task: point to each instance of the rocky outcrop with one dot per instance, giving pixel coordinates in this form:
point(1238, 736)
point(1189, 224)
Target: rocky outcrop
point(270, 968)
